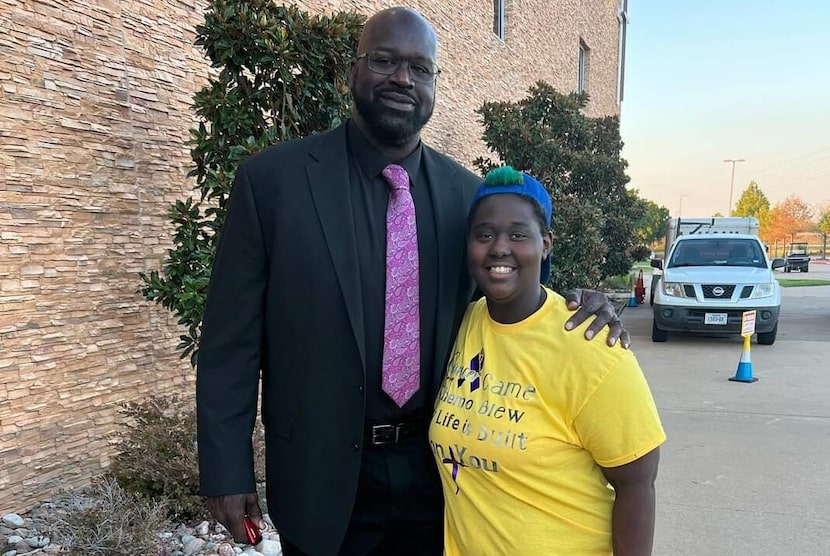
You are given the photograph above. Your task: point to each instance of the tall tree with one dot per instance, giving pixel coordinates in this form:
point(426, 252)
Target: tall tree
point(778, 226)
point(787, 218)
point(824, 227)
point(753, 202)
point(578, 159)
point(824, 222)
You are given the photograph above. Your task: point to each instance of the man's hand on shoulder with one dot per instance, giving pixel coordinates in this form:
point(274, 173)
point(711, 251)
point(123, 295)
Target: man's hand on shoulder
point(593, 303)
point(230, 510)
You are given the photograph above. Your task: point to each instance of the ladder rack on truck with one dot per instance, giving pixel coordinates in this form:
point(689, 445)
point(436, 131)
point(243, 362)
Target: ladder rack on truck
point(676, 227)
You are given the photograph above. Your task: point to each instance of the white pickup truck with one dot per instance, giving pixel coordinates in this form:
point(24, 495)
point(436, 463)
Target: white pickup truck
point(677, 227)
point(708, 280)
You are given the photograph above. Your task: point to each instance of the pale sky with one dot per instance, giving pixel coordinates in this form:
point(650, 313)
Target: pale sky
point(726, 79)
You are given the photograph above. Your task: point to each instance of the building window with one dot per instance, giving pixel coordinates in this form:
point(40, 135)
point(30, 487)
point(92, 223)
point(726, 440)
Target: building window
point(499, 18)
point(622, 18)
point(582, 78)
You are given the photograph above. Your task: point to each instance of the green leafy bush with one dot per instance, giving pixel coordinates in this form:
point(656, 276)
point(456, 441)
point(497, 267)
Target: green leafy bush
point(157, 457)
point(282, 74)
point(108, 521)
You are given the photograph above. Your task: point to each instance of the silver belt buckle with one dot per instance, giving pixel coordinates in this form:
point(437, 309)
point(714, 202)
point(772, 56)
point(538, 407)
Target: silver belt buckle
point(382, 429)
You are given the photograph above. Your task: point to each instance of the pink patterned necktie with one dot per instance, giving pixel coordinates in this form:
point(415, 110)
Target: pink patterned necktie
point(401, 334)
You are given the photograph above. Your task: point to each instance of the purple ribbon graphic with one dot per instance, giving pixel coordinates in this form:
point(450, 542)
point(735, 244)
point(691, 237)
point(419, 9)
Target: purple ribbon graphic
point(455, 466)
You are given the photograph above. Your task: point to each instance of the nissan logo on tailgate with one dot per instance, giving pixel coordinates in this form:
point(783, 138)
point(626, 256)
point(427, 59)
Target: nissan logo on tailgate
point(717, 291)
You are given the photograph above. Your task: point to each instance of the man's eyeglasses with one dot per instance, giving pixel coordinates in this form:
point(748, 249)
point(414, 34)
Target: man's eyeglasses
point(422, 71)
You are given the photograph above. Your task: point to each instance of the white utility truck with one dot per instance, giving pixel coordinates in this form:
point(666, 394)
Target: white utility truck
point(714, 270)
point(676, 227)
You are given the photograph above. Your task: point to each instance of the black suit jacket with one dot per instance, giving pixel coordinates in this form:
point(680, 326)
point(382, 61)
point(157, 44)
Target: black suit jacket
point(285, 304)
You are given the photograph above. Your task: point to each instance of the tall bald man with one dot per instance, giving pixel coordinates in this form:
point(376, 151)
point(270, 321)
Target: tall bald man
point(339, 283)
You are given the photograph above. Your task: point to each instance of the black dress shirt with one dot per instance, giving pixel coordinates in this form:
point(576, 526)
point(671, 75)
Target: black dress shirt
point(369, 195)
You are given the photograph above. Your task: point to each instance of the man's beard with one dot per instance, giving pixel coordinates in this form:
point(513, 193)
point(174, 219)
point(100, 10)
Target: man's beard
point(389, 126)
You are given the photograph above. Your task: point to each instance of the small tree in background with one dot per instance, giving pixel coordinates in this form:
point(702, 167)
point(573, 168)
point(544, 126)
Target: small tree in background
point(824, 228)
point(786, 219)
point(753, 202)
point(578, 159)
point(824, 222)
point(282, 74)
point(651, 228)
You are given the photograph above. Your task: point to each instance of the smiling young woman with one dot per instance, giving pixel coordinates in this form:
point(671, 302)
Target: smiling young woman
point(544, 444)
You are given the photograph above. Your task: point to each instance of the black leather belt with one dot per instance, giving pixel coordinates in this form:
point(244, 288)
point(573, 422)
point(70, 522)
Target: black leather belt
point(393, 433)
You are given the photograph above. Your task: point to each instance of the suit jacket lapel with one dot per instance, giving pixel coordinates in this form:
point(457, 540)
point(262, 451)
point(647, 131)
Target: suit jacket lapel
point(328, 178)
point(448, 204)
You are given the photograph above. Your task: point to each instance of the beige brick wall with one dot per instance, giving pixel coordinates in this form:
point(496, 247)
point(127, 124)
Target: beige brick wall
point(94, 101)
point(94, 112)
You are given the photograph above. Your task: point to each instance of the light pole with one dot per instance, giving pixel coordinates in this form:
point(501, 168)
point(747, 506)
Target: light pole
point(734, 161)
point(680, 206)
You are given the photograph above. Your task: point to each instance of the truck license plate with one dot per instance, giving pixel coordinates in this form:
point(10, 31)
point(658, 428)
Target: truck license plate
point(715, 318)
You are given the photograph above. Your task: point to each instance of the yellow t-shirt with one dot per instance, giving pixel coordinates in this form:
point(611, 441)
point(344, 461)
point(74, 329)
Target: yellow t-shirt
point(525, 414)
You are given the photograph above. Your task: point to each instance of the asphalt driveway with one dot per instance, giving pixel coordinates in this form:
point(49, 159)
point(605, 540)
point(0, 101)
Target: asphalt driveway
point(746, 468)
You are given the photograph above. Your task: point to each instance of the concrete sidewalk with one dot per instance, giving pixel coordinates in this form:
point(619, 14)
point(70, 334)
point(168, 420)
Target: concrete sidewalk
point(746, 468)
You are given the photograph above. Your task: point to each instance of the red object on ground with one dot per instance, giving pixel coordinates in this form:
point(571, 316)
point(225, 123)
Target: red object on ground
point(640, 289)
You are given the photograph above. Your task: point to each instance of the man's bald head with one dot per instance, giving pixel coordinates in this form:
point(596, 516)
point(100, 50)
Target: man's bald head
point(391, 23)
point(393, 78)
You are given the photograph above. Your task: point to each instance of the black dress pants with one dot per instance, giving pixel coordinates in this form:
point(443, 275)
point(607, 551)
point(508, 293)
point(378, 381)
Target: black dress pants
point(399, 506)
